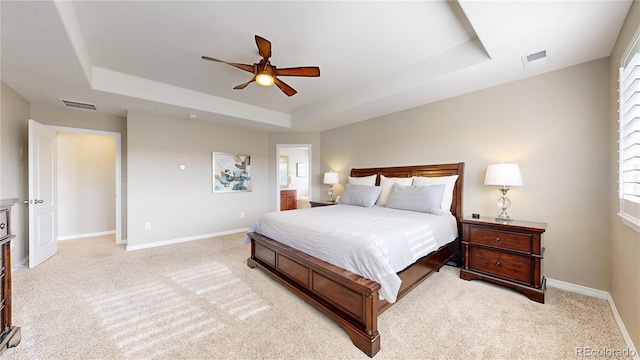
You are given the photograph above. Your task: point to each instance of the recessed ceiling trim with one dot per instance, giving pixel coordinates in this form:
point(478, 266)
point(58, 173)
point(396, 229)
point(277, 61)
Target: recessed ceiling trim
point(128, 85)
point(67, 14)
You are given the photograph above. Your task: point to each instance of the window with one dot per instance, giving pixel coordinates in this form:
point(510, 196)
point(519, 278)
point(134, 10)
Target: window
point(629, 141)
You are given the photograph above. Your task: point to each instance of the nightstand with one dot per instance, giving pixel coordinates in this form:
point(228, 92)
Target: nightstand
point(321, 203)
point(505, 253)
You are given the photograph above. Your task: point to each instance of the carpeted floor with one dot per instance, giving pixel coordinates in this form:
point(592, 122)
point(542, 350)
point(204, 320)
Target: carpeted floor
point(199, 300)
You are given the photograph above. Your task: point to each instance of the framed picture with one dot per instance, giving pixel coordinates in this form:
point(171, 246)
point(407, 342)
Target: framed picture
point(301, 169)
point(231, 172)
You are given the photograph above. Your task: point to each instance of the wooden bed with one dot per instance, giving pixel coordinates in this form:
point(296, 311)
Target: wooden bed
point(350, 299)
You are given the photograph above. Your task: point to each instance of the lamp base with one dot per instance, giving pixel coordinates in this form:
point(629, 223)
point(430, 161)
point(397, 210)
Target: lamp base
point(503, 203)
point(330, 193)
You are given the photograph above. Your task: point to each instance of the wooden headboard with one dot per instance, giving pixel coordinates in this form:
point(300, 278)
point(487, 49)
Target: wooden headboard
point(423, 170)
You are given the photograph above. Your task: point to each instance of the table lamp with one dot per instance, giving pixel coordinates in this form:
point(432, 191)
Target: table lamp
point(330, 178)
point(503, 175)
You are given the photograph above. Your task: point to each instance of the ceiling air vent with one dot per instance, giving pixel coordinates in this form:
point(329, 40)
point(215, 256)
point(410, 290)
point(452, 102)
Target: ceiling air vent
point(79, 105)
point(535, 59)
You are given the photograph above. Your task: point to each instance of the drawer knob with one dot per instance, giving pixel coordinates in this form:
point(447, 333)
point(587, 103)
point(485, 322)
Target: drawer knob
point(2, 226)
point(498, 263)
point(497, 239)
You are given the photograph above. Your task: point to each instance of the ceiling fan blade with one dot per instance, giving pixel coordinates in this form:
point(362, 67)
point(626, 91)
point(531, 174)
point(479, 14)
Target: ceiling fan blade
point(284, 87)
point(242, 86)
point(264, 47)
point(299, 71)
point(244, 67)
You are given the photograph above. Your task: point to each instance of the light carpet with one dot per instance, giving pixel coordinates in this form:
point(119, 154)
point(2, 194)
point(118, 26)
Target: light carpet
point(199, 300)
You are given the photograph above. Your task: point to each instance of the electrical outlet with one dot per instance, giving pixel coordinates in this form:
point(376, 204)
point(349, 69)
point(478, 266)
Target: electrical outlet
point(147, 226)
point(242, 214)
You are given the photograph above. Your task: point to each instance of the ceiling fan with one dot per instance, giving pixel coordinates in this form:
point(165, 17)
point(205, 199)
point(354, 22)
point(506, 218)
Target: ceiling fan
point(266, 74)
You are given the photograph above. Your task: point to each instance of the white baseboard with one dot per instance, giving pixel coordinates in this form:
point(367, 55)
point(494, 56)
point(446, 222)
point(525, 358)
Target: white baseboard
point(184, 239)
point(578, 289)
point(21, 263)
point(600, 295)
point(622, 328)
point(80, 236)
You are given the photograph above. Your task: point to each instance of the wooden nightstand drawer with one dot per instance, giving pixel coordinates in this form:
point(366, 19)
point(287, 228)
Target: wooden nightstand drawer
point(505, 253)
point(507, 265)
point(501, 239)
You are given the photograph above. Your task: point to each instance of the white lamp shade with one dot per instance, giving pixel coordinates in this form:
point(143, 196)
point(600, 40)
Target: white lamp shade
point(330, 178)
point(503, 174)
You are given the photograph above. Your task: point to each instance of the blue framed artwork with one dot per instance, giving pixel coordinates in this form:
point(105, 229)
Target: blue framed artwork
point(231, 172)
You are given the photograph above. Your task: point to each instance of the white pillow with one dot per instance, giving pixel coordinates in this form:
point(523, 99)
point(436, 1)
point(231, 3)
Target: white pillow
point(360, 195)
point(427, 199)
point(364, 180)
point(448, 181)
point(387, 183)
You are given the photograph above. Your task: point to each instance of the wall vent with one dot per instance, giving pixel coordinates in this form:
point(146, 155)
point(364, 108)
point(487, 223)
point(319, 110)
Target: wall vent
point(534, 59)
point(79, 105)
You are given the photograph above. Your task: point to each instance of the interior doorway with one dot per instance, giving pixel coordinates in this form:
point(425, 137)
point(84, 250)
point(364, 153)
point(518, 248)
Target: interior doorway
point(85, 172)
point(294, 169)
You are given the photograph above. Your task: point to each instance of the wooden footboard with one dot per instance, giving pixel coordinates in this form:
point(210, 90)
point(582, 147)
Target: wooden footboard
point(347, 298)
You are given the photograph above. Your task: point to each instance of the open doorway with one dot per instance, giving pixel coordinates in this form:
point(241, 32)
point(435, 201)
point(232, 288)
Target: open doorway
point(294, 176)
point(89, 184)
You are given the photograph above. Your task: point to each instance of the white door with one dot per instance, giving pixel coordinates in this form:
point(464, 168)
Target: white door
point(42, 193)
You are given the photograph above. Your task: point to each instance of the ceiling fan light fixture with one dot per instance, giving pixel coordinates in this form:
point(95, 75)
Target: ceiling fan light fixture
point(266, 74)
point(264, 79)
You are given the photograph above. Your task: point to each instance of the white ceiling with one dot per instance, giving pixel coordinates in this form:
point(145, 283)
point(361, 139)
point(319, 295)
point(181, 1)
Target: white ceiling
point(375, 57)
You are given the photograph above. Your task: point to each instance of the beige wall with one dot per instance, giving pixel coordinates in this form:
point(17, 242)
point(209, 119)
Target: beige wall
point(78, 118)
point(14, 116)
point(625, 242)
point(86, 184)
point(181, 204)
point(552, 125)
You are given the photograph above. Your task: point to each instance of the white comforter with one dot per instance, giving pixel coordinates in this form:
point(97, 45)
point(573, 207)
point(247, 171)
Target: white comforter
point(375, 243)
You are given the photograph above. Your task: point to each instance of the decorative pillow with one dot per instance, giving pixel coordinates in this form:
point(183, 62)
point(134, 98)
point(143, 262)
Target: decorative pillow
point(363, 180)
point(448, 181)
point(386, 184)
point(427, 199)
point(360, 195)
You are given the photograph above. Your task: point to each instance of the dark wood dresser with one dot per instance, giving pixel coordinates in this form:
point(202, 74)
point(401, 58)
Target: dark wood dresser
point(9, 334)
point(505, 253)
point(288, 200)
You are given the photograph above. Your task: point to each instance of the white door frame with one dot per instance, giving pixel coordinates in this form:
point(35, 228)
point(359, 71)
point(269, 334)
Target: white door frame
point(118, 179)
point(309, 169)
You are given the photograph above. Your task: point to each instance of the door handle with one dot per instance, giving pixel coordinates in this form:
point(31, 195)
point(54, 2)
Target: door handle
point(38, 201)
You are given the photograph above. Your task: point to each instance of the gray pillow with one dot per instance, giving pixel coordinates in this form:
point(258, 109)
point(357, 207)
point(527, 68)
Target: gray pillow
point(360, 195)
point(425, 199)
